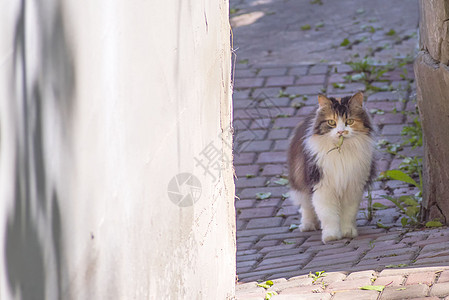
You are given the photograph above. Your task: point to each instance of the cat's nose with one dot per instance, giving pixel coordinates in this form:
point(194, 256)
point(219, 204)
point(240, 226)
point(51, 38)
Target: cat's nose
point(340, 132)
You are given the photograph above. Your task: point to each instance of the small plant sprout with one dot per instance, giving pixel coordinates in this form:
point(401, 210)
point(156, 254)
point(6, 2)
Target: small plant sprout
point(266, 285)
point(317, 275)
point(338, 145)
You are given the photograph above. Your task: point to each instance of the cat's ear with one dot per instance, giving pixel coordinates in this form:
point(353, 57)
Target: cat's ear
point(357, 99)
point(323, 100)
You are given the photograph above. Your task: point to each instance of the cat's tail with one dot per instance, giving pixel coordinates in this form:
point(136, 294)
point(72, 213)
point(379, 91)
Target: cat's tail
point(298, 198)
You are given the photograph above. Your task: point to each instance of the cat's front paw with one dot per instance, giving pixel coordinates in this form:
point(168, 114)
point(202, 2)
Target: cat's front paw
point(330, 235)
point(349, 232)
point(308, 226)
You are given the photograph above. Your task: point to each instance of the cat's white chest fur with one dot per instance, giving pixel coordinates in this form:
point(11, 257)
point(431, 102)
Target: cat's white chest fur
point(346, 169)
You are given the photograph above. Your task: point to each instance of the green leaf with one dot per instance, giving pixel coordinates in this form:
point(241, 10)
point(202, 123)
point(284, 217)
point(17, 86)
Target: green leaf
point(338, 85)
point(285, 195)
point(250, 175)
point(282, 181)
point(360, 11)
point(270, 294)
point(379, 206)
point(345, 43)
point(380, 225)
point(266, 285)
point(262, 196)
point(319, 25)
point(297, 105)
point(399, 175)
point(357, 77)
point(434, 224)
point(378, 288)
point(306, 27)
point(396, 266)
point(408, 200)
point(285, 242)
point(391, 32)
point(404, 221)
point(293, 227)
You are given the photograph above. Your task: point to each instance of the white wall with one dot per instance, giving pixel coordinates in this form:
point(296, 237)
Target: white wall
point(121, 96)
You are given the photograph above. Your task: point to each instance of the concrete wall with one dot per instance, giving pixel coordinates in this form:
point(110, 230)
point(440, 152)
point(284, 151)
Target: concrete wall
point(432, 78)
point(102, 104)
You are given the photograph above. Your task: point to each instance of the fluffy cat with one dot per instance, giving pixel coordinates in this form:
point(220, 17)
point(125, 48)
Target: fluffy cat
point(328, 183)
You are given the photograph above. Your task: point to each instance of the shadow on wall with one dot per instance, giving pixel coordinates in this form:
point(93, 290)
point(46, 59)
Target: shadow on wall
point(33, 231)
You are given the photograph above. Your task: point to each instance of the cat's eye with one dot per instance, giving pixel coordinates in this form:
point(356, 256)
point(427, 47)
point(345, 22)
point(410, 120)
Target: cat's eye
point(349, 121)
point(331, 123)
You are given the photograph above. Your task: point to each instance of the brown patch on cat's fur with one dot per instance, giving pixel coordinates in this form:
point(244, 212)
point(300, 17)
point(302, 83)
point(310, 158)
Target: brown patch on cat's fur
point(303, 172)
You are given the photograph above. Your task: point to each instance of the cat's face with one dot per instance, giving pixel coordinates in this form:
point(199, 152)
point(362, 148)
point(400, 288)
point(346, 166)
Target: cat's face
point(342, 117)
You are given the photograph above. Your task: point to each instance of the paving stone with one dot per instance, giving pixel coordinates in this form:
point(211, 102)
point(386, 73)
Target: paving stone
point(302, 290)
point(443, 260)
point(436, 253)
point(270, 202)
point(286, 252)
point(281, 259)
point(444, 277)
point(368, 274)
point(280, 81)
point(240, 94)
point(251, 296)
point(243, 182)
point(271, 157)
point(424, 278)
point(407, 271)
point(314, 89)
point(406, 292)
point(347, 88)
point(302, 70)
point(386, 106)
point(332, 277)
point(248, 83)
point(249, 257)
point(277, 248)
point(275, 191)
point(244, 158)
point(287, 122)
point(357, 294)
point(440, 289)
point(311, 80)
point(388, 118)
point(382, 96)
point(384, 261)
point(395, 280)
point(337, 78)
point(391, 253)
point(392, 129)
point(272, 72)
point(334, 259)
point(244, 203)
point(281, 145)
point(258, 146)
point(250, 213)
point(355, 284)
point(307, 296)
point(273, 170)
point(264, 222)
point(277, 134)
point(246, 170)
point(318, 69)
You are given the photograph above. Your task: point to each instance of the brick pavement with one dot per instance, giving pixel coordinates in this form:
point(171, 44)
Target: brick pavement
point(269, 101)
